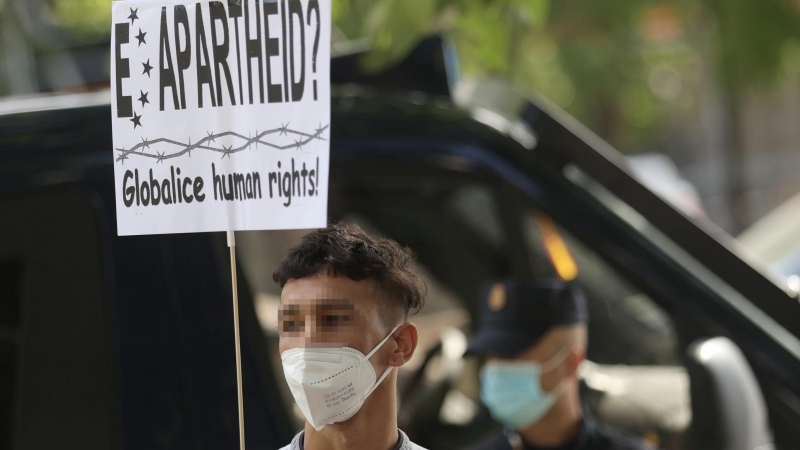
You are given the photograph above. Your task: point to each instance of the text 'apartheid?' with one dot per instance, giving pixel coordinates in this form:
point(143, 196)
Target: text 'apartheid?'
point(214, 30)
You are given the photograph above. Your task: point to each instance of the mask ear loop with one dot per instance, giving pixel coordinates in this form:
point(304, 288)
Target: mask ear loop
point(378, 383)
point(388, 369)
point(369, 355)
point(554, 362)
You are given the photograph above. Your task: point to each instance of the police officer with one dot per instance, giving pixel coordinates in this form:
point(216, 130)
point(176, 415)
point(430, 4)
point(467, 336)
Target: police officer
point(532, 339)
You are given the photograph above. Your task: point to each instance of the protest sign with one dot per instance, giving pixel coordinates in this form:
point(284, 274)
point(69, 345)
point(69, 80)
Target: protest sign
point(220, 119)
point(220, 114)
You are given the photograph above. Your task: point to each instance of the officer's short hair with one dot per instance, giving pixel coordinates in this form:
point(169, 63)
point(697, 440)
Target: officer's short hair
point(572, 335)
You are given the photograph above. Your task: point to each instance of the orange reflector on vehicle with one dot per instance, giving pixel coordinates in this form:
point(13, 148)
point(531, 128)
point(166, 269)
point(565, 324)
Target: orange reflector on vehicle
point(556, 249)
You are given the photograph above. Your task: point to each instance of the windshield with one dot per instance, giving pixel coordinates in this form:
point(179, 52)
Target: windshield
point(626, 325)
point(473, 241)
point(747, 308)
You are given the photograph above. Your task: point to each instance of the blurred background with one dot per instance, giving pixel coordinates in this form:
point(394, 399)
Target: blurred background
point(706, 91)
point(702, 97)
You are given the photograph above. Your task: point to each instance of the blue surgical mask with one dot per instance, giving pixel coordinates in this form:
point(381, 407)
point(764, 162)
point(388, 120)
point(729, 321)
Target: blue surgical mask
point(512, 390)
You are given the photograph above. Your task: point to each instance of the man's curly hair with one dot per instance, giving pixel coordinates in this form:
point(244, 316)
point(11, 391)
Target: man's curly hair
point(342, 249)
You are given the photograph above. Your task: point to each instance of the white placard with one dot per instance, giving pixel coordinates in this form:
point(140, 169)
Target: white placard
point(220, 114)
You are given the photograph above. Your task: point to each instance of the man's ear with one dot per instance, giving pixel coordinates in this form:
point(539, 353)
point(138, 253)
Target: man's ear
point(574, 359)
point(405, 338)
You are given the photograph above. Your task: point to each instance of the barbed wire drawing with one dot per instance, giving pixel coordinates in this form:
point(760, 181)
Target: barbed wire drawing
point(139, 149)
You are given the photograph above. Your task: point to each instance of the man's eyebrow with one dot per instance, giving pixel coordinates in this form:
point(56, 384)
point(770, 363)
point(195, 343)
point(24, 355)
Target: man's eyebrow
point(327, 303)
point(332, 305)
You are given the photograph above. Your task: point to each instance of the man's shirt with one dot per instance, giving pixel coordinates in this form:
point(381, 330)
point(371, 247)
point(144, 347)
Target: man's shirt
point(592, 436)
point(403, 443)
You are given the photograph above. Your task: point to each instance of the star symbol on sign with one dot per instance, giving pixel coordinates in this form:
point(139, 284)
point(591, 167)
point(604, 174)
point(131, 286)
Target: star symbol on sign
point(133, 15)
point(143, 98)
point(147, 68)
point(140, 38)
point(136, 120)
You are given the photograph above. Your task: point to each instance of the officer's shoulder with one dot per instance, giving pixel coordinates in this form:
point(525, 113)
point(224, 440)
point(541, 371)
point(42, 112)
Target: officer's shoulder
point(611, 438)
point(494, 441)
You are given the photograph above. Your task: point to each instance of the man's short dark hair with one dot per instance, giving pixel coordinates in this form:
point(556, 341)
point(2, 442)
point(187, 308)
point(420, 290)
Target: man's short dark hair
point(347, 250)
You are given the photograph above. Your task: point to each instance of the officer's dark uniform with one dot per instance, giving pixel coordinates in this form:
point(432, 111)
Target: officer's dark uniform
point(513, 318)
point(593, 435)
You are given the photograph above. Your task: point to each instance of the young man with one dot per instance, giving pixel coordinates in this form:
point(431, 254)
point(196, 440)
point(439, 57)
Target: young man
point(343, 331)
point(533, 338)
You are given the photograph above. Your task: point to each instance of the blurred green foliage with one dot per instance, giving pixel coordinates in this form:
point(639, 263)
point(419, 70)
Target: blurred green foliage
point(87, 18)
point(620, 66)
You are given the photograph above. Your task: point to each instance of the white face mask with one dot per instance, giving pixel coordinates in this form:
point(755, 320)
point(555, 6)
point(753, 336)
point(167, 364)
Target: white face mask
point(330, 384)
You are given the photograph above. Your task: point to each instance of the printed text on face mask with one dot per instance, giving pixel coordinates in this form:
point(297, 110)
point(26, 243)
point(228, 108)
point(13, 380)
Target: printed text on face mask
point(339, 395)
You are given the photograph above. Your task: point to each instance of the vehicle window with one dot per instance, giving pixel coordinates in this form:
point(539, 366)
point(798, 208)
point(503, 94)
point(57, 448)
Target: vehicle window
point(457, 241)
point(55, 362)
point(747, 308)
point(625, 326)
point(465, 247)
point(259, 253)
point(478, 208)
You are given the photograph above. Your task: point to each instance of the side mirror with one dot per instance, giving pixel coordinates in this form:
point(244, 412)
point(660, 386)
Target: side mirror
point(728, 409)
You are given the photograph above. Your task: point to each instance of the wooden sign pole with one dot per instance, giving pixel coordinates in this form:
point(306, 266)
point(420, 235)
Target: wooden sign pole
point(232, 246)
